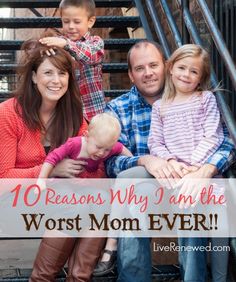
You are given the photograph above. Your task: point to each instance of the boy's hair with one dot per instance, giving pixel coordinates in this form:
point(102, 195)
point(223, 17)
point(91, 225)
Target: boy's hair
point(106, 124)
point(89, 5)
point(144, 43)
point(185, 51)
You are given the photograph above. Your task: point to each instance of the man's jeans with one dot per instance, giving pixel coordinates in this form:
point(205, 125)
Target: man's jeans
point(134, 260)
point(193, 263)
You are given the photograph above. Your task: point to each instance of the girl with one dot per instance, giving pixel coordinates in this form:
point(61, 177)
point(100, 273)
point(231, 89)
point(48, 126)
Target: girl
point(186, 130)
point(99, 144)
point(186, 126)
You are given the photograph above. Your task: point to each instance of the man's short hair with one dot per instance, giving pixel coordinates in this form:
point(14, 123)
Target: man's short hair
point(89, 5)
point(145, 43)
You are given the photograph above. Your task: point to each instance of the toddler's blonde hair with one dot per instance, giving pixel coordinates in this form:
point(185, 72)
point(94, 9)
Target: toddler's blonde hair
point(105, 124)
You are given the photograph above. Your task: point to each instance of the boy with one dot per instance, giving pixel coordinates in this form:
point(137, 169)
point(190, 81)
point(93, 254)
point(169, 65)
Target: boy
point(78, 17)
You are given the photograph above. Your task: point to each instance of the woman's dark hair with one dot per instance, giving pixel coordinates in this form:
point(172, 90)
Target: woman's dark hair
point(68, 115)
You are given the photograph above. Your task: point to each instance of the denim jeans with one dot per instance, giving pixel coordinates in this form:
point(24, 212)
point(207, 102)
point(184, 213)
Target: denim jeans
point(134, 261)
point(194, 263)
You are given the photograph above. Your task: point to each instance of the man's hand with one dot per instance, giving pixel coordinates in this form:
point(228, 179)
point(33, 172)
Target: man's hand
point(181, 168)
point(161, 169)
point(68, 168)
point(192, 183)
point(205, 171)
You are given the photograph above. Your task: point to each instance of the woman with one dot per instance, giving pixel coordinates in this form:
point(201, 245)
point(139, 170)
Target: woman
point(45, 111)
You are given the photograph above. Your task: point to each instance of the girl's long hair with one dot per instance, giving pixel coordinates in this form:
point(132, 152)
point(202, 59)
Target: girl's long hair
point(187, 50)
point(68, 115)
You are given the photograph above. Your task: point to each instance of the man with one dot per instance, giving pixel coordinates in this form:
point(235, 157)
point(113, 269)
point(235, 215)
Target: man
point(146, 68)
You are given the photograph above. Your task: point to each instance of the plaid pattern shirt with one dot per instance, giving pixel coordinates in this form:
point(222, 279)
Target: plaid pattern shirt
point(89, 53)
point(134, 114)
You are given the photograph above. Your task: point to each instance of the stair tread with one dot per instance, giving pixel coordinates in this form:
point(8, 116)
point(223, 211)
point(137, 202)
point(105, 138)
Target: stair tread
point(55, 3)
point(108, 93)
point(101, 21)
point(107, 67)
point(163, 270)
point(110, 43)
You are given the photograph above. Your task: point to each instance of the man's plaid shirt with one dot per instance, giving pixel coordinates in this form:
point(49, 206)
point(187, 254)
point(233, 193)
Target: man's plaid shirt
point(89, 53)
point(134, 114)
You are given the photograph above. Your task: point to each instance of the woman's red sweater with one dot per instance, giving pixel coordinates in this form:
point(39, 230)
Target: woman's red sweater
point(21, 152)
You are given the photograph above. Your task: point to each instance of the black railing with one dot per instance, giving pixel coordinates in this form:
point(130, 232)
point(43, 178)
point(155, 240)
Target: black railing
point(219, 41)
point(158, 28)
point(143, 19)
point(196, 38)
point(224, 13)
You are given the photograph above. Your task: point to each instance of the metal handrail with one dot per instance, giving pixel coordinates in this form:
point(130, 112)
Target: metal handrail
point(143, 19)
point(172, 23)
point(219, 41)
point(190, 24)
point(224, 108)
point(158, 28)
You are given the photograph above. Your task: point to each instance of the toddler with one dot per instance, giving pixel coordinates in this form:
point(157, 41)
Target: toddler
point(99, 144)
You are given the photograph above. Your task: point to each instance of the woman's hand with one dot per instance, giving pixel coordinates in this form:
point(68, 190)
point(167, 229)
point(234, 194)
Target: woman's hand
point(68, 168)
